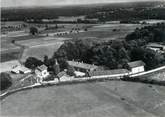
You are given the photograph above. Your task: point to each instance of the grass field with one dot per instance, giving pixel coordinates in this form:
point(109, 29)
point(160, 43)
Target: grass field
point(100, 99)
point(106, 31)
point(40, 51)
point(40, 47)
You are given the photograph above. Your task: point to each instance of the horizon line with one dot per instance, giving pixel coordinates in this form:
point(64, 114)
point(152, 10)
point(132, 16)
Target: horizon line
point(61, 5)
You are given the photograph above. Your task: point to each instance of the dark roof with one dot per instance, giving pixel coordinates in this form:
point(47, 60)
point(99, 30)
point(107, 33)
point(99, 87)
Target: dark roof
point(108, 72)
point(82, 65)
point(136, 64)
point(60, 74)
point(42, 68)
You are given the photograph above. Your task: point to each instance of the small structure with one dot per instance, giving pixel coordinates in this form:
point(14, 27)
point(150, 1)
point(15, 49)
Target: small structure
point(79, 74)
point(20, 69)
point(24, 70)
point(136, 67)
point(83, 67)
point(41, 73)
point(156, 47)
point(61, 74)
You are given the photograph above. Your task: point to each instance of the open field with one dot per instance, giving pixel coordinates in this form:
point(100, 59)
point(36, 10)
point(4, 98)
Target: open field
point(106, 99)
point(9, 56)
point(106, 31)
point(40, 51)
point(40, 47)
point(11, 51)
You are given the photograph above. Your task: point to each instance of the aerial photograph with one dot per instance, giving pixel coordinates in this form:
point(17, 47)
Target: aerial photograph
point(82, 58)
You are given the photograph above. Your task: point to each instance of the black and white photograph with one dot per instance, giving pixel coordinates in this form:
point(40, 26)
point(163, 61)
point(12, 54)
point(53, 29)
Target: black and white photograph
point(82, 58)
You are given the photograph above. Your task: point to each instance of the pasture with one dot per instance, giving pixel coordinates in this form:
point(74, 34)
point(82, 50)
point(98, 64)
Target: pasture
point(40, 47)
point(106, 99)
point(106, 31)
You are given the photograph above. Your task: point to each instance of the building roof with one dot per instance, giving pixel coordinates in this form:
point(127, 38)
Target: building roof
point(24, 69)
point(136, 64)
point(60, 74)
point(156, 45)
point(20, 68)
point(42, 67)
point(82, 65)
point(108, 72)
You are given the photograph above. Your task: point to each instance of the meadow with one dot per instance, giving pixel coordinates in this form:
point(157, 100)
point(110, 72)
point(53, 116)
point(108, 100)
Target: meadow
point(106, 31)
point(40, 47)
point(112, 98)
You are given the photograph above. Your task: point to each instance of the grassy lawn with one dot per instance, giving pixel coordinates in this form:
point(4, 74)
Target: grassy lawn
point(105, 99)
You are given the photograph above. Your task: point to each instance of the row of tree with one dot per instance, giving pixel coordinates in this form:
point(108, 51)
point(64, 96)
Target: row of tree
point(154, 33)
point(5, 81)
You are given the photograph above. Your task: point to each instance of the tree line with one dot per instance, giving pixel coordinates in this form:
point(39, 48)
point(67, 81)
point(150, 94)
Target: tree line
point(115, 54)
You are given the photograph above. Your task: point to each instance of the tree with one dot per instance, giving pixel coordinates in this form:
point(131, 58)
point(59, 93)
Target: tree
point(5, 81)
point(148, 56)
point(63, 63)
point(46, 60)
point(56, 68)
point(70, 70)
point(85, 29)
point(32, 62)
point(13, 41)
point(33, 30)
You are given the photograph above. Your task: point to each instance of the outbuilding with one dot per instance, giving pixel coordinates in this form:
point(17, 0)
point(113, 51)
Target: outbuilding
point(20, 69)
point(136, 67)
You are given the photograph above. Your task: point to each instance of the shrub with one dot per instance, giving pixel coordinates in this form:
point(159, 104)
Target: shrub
point(5, 81)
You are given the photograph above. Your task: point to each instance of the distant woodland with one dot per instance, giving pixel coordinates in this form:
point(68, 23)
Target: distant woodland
point(103, 12)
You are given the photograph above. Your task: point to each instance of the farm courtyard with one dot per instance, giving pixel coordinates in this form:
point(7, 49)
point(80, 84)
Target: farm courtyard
point(108, 99)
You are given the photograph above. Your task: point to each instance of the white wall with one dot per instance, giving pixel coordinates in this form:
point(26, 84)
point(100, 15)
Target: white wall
point(137, 69)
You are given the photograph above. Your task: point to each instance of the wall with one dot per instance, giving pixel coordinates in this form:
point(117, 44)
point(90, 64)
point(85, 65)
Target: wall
point(137, 70)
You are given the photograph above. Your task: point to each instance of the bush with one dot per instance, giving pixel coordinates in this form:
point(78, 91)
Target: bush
point(70, 71)
point(32, 62)
point(5, 81)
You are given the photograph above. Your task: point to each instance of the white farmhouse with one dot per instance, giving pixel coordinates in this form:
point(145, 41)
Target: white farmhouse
point(136, 67)
point(41, 73)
